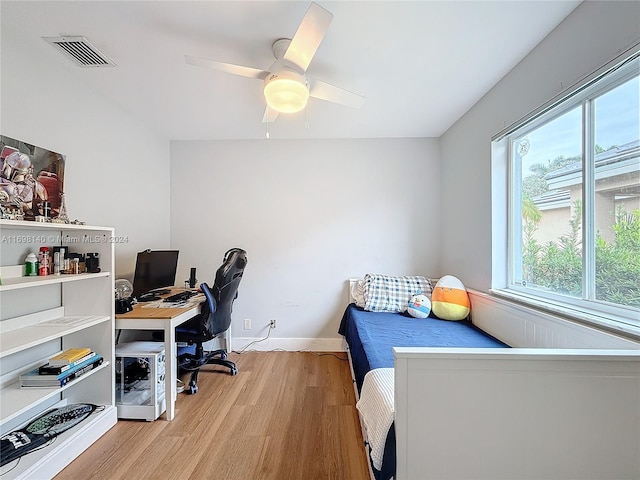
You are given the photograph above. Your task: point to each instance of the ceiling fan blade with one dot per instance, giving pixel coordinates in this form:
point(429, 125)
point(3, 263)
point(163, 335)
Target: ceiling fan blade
point(307, 38)
point(331, 93)
point(227, 67)
point(270, 115)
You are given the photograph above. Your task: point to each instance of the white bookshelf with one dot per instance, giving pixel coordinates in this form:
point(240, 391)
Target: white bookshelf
point(41, 316)
point(19, 400)
point(14, 283)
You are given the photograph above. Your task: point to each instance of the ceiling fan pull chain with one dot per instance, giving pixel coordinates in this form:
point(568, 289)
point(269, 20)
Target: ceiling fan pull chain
point(306, 120)
point(267, 123)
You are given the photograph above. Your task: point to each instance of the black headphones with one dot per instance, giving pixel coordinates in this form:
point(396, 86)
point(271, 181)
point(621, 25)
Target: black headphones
point(232, 251)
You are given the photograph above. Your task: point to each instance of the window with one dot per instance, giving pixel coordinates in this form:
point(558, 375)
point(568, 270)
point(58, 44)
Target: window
point(573, 229)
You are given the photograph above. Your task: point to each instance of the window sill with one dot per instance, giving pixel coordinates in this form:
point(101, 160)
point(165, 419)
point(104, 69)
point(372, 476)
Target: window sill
point(610, 323)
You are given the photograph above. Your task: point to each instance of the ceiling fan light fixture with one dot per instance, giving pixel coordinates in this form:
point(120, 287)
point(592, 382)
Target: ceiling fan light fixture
point(286, 92)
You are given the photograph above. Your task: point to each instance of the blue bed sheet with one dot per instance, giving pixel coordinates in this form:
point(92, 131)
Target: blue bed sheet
point(371, 337)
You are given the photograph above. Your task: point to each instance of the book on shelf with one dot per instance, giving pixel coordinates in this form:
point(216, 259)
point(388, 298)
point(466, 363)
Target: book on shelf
point(32, 378)
point(69, 356)
point(49, 369)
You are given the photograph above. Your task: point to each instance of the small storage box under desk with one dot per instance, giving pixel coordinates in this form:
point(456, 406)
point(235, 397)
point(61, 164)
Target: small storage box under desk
point(140, 377)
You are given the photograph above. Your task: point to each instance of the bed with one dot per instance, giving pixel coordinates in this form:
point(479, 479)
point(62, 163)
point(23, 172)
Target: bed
point(371, 337)
point(445, 400)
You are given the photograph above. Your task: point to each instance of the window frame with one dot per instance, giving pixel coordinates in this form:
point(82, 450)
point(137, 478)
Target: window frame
point(586, 308)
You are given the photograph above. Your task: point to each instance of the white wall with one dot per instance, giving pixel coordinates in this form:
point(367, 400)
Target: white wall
point(310, 213)
point(116, 171)
point(588, 38)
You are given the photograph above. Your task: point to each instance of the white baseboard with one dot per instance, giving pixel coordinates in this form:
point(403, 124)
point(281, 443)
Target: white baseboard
point(289, 344)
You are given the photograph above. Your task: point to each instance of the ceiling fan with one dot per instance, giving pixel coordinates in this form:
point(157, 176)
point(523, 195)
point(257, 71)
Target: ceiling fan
point(287, 87)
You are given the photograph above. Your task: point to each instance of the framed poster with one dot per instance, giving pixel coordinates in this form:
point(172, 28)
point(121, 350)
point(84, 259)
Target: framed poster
point(31, 180)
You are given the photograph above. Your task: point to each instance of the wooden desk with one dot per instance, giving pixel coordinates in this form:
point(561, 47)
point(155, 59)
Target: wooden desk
point(145, 316)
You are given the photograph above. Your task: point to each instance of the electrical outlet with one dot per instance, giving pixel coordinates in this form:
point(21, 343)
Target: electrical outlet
point(272, 324)
point(247, 324)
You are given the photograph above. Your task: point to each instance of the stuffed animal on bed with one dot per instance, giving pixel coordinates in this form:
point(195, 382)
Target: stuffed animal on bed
point(419, 306)
point(449, 299)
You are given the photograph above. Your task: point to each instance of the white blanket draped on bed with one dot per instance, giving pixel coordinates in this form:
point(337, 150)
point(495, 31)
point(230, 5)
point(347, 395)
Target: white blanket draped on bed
point(376, 410)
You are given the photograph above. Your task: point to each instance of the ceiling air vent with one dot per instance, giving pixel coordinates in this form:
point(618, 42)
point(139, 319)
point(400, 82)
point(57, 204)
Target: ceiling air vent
point(81, 51)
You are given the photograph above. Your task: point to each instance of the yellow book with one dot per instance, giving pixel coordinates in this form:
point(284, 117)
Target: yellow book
point(68, 356)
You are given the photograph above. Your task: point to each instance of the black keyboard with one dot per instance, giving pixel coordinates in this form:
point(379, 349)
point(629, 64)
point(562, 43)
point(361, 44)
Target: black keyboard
point(181, 297)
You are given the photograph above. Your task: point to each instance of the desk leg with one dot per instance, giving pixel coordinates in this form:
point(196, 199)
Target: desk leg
point(171, 370)
point(227, 340)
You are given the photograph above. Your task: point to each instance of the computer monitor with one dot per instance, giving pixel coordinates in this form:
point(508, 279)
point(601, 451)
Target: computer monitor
point(155, 270)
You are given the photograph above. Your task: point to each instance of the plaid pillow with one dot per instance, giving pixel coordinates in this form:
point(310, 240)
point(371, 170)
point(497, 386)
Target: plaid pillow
point(385, 293)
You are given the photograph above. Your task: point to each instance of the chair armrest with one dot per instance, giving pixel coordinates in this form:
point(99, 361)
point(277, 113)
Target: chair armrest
point(209, 296)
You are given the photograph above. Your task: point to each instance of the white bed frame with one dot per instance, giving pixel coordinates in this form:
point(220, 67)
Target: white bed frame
point(519, 413)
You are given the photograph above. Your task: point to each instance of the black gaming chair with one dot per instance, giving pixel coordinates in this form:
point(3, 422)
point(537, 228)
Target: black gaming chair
point(214, 319)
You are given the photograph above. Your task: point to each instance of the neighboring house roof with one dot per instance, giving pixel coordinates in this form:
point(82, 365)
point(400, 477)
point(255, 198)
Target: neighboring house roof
point(618, 160)
point(553, 199)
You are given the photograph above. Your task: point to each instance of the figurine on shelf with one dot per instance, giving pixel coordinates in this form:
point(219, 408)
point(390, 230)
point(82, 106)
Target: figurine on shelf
point(62, 213)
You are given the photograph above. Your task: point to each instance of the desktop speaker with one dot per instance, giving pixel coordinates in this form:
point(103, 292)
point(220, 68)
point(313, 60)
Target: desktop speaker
point(192, 278)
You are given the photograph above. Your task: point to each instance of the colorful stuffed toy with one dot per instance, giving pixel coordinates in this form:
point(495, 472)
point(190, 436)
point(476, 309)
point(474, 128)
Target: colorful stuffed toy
point(419, 306)
point(449, 299)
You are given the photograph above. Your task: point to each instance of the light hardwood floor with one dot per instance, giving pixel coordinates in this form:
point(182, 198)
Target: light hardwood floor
point(286, 415)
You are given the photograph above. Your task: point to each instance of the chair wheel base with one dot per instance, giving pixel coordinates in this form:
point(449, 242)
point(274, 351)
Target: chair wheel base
point(192, 390)
point(233, 372)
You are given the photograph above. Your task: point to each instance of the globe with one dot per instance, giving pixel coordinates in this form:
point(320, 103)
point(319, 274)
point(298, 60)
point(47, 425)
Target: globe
point(123, 289)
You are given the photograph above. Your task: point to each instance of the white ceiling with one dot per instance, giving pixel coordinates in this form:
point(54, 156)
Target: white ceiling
point(420, 64)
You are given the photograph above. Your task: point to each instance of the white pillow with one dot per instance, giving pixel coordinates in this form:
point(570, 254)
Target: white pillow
point(358, 293)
